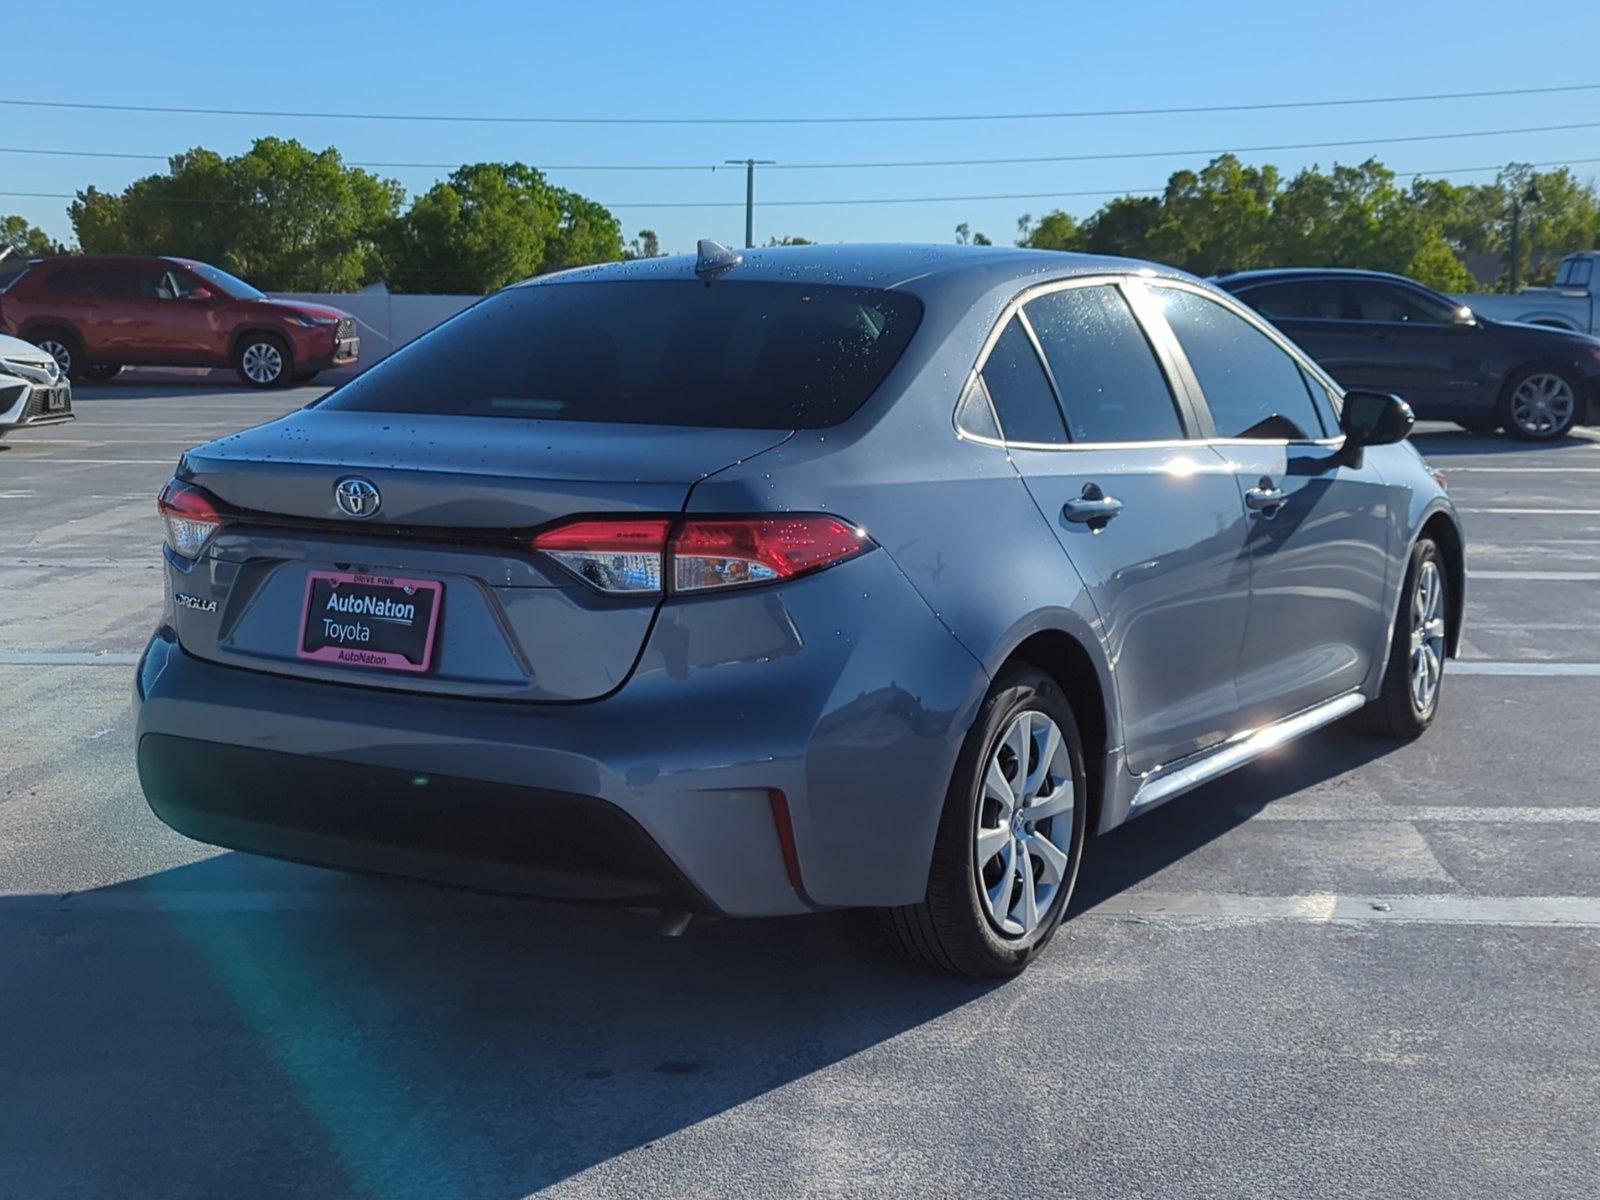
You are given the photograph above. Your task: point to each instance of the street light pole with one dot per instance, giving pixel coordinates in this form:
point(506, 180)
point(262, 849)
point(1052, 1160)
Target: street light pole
point(1531, 196)
point(750, 165)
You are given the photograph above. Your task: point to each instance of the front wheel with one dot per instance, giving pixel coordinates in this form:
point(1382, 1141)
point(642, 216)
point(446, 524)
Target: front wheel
point(262, 361)
point(1010, 836)
point(1409, 699)
point(1539, 404)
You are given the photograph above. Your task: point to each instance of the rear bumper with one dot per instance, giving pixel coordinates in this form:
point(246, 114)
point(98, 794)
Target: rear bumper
point(395, 822)
point(660, 793)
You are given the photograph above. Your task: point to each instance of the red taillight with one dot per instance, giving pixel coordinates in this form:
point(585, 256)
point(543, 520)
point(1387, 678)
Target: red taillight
point(190, 515)
point(638, 555)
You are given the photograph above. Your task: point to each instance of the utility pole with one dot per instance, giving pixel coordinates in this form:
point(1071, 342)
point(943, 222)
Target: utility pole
point(1531, 196)
point(750, 165)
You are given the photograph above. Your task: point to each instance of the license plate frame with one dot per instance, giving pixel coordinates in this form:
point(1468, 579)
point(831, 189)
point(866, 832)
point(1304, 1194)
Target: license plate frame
point(425, 598)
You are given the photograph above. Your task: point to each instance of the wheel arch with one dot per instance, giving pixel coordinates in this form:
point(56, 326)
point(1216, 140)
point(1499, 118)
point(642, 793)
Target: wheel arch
point(1446, 534)
point(1083, 677)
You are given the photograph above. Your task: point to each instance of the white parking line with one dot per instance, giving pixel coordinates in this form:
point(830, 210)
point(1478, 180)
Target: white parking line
point(1539, 576)
point(1463, 813)
point(1478, 666)
point(1318, 908)
point(1449, 470)
point(1535, 512)
point(1324, 908)
point(68, 658)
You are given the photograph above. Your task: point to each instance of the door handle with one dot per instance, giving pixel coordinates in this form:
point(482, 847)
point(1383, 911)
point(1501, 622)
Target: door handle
point(1093, 508)
point(1266, 497)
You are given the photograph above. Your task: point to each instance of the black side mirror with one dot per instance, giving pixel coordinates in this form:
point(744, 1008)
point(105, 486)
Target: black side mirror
point(1375, 419)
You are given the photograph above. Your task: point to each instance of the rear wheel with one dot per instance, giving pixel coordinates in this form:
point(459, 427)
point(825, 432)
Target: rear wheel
point(1010, 836)
point(1539, 404)
point(262, 360)
point(1409, 700)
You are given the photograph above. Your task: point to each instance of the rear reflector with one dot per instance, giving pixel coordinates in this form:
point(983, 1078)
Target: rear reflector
point(632, 555)
point(190, 515)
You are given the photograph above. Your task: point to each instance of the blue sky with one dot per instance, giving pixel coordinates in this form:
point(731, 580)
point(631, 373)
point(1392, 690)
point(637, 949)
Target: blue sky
point(812, 59)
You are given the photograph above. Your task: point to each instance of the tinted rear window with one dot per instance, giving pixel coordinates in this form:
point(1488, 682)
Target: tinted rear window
point(729, 353)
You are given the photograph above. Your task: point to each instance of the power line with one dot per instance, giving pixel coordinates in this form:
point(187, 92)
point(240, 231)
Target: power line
point(1030, 160)
point(832, 201)
point(479, 119)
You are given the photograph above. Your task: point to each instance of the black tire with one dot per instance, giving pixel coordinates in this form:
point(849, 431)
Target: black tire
point(950, 929)
point(263, 360)
point(61, 343)
point(301, 378)
point(1481, 425)
point(1395, 712)
point(1505, 414)
point(100, 372)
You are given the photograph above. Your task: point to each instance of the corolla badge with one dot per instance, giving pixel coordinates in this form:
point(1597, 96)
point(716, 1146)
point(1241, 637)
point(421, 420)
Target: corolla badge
point(356, 497)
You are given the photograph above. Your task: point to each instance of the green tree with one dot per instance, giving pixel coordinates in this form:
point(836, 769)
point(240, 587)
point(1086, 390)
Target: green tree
point(790, 241)
point(283, 216)
point(1216, 219)
point(1122, 226)
point(965, 236)
point(491, 224)
point(27, 241)
point(1053, 231)
point(646, 245)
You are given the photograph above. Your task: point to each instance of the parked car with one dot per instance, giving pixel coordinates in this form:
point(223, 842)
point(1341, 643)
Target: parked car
point(822, 577)
point(96, 314)
point(32, 388)
point(1568, 303)
point(1384, 332)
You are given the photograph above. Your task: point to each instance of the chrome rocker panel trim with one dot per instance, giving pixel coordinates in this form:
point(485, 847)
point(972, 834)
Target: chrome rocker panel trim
point(1164, 783)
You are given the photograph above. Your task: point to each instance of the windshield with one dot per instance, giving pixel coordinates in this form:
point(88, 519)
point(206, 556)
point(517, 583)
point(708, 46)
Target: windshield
point(231, 284)
point(655, 352)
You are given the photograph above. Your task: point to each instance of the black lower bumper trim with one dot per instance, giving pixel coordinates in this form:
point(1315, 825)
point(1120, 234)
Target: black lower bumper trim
point(381, 820)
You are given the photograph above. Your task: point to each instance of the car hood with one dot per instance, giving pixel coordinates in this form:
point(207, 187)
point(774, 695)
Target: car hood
point(303, 308)
point(1567, 339)
point(17, 350)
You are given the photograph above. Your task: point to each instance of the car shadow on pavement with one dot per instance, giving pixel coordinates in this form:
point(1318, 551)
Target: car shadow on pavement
point(1148, 844)
point(195, 1034)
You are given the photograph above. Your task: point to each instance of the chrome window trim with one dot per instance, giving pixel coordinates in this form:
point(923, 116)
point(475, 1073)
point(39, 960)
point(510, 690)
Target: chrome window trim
point(1189, 404)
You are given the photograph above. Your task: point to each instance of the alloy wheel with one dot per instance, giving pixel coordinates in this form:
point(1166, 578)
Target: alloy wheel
point(1022, 840)
point(1542, 404)
point(1427, 637)
point(59, 351)
point(262, 362)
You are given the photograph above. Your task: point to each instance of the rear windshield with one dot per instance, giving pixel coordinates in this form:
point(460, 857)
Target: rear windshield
point(729, 353)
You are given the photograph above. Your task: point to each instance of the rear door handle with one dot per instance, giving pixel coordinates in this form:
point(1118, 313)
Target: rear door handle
point(1093, 508)
point(1266, 497)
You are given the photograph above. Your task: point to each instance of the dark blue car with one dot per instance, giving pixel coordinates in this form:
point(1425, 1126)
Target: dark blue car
point(825, 577)
point(1387, 333)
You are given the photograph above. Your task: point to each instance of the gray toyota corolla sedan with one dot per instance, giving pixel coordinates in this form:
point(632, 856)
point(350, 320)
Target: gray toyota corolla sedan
point(812, 578)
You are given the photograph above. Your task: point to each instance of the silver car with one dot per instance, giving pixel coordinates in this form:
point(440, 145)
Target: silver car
point(32, 389)
point(805, 579)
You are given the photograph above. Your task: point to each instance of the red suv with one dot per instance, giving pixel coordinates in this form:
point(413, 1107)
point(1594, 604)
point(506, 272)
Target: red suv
point(96, 314)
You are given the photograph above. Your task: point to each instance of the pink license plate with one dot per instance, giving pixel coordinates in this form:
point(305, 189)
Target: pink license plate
point(375, 621)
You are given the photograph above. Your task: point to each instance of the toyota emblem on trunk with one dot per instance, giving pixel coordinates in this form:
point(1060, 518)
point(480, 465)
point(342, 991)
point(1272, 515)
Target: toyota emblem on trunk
point(356, 497)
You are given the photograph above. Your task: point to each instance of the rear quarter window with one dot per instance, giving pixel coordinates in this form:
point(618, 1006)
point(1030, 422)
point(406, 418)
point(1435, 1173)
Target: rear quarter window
point(729, 353)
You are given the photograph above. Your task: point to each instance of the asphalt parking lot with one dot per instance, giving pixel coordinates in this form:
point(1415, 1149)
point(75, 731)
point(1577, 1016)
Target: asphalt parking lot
point(1349, 970)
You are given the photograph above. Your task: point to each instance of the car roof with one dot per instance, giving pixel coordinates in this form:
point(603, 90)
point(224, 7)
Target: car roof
point(92, 260)
point(1285, 274)
point(878, 265)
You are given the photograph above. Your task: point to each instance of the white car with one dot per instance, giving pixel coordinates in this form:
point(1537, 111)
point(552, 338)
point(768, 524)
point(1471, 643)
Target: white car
point(32, 389)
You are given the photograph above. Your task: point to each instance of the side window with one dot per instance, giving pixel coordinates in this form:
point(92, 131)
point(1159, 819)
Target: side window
point(1391, 303)
point(1253, 388)
point(65, 283)
point(1112, 388)
point(1023, 398)
point(1579, 272)
point(162, 282)
point(1300, 300)
point(973, 414)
